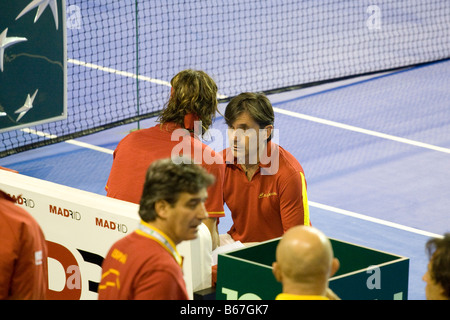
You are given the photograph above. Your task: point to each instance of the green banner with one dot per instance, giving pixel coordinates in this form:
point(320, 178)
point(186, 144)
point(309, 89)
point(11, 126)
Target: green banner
point(33, 68)
point(364, 273)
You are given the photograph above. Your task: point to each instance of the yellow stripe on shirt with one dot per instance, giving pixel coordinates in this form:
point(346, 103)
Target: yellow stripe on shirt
point(306, 220)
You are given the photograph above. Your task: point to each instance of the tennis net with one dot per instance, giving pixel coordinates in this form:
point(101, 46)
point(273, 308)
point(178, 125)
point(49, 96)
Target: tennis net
point(122, 54)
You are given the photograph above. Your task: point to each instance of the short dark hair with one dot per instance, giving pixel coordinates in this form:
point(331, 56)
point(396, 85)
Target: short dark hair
point(165, 180)
point(439, 253)
point(256, 104)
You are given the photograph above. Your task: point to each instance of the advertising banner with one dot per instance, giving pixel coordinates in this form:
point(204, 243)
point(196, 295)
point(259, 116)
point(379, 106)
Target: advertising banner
point(32, 44)
point(80, 227)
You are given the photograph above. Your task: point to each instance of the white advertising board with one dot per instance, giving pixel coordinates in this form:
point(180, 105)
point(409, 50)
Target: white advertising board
point(80, 227)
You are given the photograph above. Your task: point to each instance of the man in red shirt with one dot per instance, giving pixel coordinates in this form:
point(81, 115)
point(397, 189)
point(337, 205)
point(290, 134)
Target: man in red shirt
point(23, 254)
point(193, 101)
point(146, 263)
point(265, 187)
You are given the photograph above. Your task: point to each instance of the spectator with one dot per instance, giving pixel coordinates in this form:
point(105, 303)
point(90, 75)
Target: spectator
point(437, 276)
point(304, 263)
point(146, 263)
point(23, 254)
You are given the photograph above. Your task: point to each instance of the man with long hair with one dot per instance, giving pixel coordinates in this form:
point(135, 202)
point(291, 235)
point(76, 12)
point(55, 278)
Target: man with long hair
point(193, 100)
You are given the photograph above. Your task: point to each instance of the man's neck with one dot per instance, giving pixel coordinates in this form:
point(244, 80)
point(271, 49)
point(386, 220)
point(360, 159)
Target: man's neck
point(305, 289)
point(161, 226)
point(250, 170)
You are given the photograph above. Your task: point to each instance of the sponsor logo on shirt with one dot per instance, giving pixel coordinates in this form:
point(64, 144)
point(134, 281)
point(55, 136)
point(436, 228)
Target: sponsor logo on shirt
point(38, 257)
point(267, 195)
point(119, 256)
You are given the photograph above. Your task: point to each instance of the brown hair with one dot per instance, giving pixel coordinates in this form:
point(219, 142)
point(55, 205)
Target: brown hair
point(439, 252)
point(165, 180)
point(192, 92)
point(256, 104)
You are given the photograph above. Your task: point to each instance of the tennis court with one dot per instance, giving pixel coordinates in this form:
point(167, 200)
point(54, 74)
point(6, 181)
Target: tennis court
point(370, 188)
point(375, 149)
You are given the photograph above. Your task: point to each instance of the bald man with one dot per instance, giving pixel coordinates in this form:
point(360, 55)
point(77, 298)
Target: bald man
point(304, 263)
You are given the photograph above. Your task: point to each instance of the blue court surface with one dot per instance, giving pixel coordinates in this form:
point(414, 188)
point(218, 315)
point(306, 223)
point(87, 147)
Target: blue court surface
point(375, 151)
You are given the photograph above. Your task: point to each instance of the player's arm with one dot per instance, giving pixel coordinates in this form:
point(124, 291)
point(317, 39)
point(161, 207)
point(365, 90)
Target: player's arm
point(214, 203)
point(294, 209)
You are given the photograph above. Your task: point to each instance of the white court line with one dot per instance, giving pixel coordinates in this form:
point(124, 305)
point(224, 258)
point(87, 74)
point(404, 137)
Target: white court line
point(361, 130)
point(375, 220)
point(74, 142)
point(90, 146)
point(118, 72)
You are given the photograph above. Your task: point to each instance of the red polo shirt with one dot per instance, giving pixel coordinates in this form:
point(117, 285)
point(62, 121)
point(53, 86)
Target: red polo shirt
point(23, 254)
point(137, 267)
point(272, 202)
point(139, 149)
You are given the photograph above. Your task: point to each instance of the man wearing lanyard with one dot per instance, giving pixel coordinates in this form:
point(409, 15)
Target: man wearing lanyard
point(146, 263)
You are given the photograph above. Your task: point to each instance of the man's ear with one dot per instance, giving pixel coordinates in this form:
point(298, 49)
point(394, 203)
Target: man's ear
point(276, 271)
point(268, 131)
point(335, 264)
point(161, 208)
